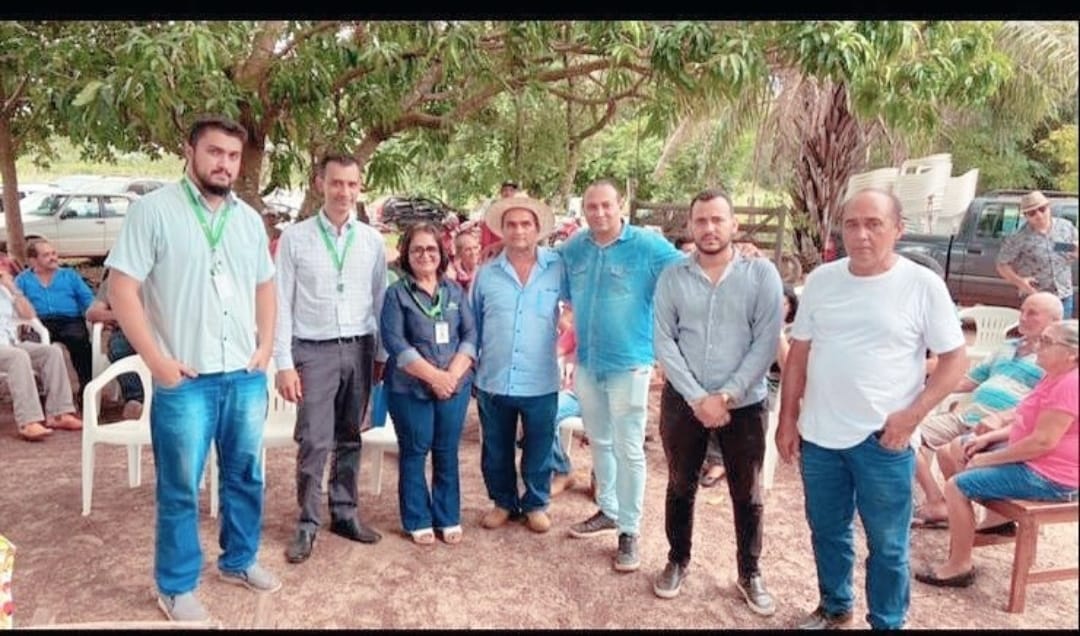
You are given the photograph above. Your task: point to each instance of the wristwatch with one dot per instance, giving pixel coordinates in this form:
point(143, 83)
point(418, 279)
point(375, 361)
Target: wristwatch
point(727, 399)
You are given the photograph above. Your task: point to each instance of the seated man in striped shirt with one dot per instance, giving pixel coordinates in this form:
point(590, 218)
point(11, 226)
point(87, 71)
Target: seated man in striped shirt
point(997, 386)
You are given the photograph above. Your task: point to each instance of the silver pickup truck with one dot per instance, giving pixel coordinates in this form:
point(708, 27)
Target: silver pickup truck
point(968, 258)
point(78, 223)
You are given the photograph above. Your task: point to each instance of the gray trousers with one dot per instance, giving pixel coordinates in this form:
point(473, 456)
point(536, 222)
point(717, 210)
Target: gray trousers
point(20, 361)
point(336, 381)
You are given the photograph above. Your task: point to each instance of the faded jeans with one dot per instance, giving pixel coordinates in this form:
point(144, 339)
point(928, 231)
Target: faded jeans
point(228, 410)
point(614, 408)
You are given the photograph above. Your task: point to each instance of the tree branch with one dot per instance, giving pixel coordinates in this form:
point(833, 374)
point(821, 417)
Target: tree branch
point(8, 108)
point(306, 34)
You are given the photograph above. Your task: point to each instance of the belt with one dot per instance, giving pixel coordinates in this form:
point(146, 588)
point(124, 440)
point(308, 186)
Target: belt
point(345, 340)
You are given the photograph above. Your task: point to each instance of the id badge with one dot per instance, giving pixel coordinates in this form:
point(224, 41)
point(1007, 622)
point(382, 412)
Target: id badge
point(223, 285)
point(442, 332)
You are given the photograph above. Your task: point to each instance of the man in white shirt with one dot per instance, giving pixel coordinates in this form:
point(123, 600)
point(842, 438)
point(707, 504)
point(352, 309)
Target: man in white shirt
point(19, 361)
point(331, 282)
point(852, 395)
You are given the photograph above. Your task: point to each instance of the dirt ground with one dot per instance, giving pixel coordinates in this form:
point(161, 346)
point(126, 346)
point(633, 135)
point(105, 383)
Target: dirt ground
point(97, 569)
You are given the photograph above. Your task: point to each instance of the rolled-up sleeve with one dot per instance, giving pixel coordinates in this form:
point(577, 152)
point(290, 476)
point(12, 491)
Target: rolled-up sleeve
point(392, 329)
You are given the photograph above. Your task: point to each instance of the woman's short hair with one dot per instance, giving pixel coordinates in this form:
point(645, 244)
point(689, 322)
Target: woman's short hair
point(405, 244)
point(793, 303)
point(1070, 333)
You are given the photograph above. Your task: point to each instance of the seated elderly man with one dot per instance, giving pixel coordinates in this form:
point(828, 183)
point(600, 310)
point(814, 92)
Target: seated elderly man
point(60, 297)
point(997, 385)
point(19, 360)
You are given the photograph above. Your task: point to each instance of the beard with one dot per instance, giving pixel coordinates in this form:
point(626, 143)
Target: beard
point(202, 179)
point(712, 251)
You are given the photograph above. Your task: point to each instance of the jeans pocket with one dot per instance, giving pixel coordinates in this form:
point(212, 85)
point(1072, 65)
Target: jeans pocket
point(876, 436)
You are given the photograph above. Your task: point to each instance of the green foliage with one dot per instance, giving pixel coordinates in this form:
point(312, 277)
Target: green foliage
point(1061, 149)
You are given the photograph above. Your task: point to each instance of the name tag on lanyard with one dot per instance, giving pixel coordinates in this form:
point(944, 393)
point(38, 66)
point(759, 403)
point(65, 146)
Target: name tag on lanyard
point(442, 332)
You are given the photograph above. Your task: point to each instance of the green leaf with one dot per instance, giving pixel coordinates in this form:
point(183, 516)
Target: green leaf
point(87, 94)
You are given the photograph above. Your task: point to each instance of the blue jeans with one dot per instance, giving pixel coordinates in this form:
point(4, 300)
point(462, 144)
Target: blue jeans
point(614, 409)
point(227, 409)
point(567, 407)
point(1068, 305)
point(877, 481)
point(422, 427)
point(1011, 481)
point(131, 387)
point(498, 423)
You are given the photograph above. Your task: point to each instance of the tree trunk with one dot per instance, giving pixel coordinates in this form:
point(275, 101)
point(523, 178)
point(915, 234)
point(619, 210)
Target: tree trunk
point(16, 241)
point(566, 188)
point(251, 163)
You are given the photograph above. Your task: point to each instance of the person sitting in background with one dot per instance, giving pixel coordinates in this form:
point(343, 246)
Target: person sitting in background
point(20, 360)
point(60, 297)
point(467, 260)
point(1039, 462)
point(562, 477)
point(996, 386)
point(131, 388)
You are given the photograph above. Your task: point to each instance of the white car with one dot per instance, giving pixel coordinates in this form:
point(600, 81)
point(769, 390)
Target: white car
point(78, 224)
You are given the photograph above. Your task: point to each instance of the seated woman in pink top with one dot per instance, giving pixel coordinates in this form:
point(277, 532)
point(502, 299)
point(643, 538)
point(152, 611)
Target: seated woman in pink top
point(1039, 462)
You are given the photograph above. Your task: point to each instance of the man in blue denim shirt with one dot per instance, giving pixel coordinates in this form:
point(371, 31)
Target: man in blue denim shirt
point(516, 301)
point(612, 270)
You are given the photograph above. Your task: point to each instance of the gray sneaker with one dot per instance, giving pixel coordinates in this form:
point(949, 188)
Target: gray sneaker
point(669, 582)
point(627, 560)
point(255, 578)
point(594, 526)
point(182, 607)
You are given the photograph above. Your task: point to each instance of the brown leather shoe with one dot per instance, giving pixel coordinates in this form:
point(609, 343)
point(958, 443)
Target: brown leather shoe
point(538, 521)
point(495, 518)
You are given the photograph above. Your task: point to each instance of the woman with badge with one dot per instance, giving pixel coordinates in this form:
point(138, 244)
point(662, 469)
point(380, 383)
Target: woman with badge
point(429, 332)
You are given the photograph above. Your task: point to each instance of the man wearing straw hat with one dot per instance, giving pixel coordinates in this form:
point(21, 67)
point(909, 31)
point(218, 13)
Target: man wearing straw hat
point(516, 298)
point(1037, 256)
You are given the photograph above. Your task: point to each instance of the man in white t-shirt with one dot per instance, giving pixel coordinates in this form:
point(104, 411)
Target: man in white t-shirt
point(852, 395)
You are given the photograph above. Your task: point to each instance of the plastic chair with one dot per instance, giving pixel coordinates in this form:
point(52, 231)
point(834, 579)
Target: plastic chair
point(570, 425)
point(376, 442)
point(37, 326)
point(992, 323)
point(99, 361)
point(133, 434)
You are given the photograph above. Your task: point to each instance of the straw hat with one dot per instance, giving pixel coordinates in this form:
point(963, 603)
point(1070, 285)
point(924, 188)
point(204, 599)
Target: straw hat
point(1032, 200)
point(494, 215)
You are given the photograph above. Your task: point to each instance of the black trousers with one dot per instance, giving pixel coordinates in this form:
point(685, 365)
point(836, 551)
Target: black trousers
point(742, 443)
point(73, 334)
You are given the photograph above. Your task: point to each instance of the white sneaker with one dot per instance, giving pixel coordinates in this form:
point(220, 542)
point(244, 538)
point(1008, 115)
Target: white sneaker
point(255, 578)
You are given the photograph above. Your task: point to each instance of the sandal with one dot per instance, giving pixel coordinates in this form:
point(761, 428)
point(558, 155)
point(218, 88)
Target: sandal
point(33, 431)
point(919, 520)
point(928, 576)
point(451, 535)
point(425, 536)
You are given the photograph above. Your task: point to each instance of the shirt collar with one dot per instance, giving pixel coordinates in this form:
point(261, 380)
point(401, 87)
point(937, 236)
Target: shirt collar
point(327, 223)
point(691, 261)
point(544, 257)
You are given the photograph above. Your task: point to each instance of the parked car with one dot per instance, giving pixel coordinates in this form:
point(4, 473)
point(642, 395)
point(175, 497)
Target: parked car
point(968, 258)
point(401, 211)
point(97, 183)
point(78, 224)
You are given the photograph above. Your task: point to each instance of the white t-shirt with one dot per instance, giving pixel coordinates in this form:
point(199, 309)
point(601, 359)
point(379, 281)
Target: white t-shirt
point(868, 340)
point(7, 317)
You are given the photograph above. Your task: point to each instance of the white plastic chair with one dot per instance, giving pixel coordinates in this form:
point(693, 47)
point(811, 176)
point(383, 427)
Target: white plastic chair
point(768, 467)
point(376, 442)
point(133, 434)
point(99, 361)
point(38, 327)
point(570, 425)
point(992, 323)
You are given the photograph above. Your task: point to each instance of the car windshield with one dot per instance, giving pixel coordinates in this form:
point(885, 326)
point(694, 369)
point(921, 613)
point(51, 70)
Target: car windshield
point(41, 203)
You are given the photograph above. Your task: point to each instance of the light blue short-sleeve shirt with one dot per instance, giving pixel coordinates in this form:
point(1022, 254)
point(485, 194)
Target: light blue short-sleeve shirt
point(162, 245)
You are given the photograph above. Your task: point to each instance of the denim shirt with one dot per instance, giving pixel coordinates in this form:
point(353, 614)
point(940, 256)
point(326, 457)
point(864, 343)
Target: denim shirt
point(408, 333)
point(611, 292)
point(517, 326)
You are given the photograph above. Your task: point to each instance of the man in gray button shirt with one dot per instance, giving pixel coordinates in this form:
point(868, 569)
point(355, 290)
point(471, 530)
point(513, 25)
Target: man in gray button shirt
point(331, 283)
point(717, 325)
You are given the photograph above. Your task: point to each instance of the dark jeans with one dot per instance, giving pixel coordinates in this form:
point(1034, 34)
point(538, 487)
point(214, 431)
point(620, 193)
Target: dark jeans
point(742, 442)
point(131, 387)
point(498, 422)
point(72, 333)
point(426, 427)
point(337, 383)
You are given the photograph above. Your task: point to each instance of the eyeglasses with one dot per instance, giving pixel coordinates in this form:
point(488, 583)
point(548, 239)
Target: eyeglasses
point(432, 250)
point(1032, 212)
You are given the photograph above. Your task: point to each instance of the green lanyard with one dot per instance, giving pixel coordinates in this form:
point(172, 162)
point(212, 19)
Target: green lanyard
point(213, 233)
point(331, 246)
point(435, 311)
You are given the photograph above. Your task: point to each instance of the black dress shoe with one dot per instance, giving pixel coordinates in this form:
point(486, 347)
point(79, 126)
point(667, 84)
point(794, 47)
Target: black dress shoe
point(964, 579)
point(300, 548)
point(353, 529)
